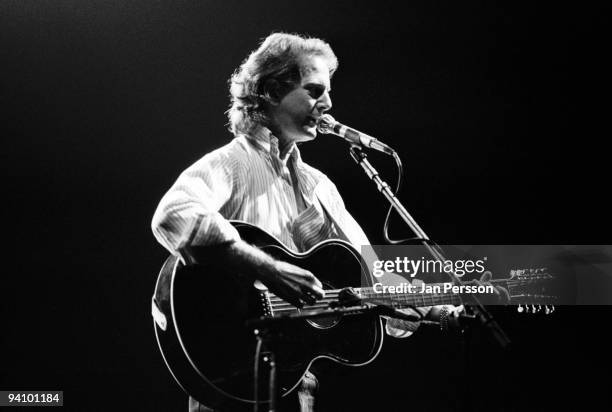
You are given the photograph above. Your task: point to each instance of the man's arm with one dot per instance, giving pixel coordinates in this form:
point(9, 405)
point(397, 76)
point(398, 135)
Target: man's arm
point(188, 217)
point(292, 283)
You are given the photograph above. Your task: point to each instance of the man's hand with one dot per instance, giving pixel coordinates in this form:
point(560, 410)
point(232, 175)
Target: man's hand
point(291, 283)
point(501, 294)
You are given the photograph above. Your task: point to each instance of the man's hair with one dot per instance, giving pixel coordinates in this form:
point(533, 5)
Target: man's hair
point(268, 73)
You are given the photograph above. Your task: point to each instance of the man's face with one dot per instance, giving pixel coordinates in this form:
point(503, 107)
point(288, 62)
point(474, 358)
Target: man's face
point(294, 117)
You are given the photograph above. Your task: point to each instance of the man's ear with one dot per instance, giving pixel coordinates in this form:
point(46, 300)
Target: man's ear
point(271, 91)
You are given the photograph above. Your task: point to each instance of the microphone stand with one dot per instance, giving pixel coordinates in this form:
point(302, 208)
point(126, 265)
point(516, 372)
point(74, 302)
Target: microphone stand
point(481, 314)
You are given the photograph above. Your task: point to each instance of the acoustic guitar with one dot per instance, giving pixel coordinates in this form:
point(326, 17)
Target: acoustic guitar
point(201, 313)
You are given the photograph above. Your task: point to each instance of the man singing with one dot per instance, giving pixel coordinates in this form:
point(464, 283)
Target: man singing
point(277, 95)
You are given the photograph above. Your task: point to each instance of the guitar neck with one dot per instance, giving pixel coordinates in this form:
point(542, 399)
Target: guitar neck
point(403, 297)
point(423, 295)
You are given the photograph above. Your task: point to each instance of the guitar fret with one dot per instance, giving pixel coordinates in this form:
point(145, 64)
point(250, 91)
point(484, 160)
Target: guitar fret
point(396, 300)
point(407, 299)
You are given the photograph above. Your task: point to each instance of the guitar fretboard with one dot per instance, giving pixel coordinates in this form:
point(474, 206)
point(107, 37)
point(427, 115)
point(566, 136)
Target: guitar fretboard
point(432, 295)
point(417, 296)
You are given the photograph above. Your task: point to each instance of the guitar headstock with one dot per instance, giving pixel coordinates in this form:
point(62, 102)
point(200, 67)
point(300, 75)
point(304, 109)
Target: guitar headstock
point(532, 290)
point(531, 274)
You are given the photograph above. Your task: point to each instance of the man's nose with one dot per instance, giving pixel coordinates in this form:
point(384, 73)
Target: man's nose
point(325, 103)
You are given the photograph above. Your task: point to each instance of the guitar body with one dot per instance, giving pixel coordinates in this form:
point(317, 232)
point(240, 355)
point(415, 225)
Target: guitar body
point(201, 311)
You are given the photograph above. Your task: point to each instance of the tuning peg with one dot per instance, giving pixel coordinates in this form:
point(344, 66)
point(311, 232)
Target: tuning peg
point(520, 309)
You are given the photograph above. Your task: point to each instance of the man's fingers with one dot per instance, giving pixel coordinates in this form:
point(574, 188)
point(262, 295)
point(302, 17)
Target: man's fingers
point(297, 302)
point(316, 282)
point(318, 292)
point(291, 296)
point(299, 285)
point(309, 299)
point(504, 294)
point(501, 294)
point(313, 292)
point(315, 287)
point(294, 299)
point(486, 277)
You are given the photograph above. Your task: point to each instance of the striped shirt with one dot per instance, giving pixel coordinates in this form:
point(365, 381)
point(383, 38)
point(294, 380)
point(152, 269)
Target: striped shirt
point(249, 180)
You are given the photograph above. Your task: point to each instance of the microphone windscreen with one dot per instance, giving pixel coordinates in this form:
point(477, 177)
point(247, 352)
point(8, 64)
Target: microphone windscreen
point(325, 124)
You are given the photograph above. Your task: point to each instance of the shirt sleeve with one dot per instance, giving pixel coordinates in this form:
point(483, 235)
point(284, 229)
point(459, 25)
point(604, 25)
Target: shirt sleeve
point(188, 214)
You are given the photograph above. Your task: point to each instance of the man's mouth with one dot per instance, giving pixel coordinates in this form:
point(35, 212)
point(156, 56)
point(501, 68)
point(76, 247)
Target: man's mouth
point(311, 121)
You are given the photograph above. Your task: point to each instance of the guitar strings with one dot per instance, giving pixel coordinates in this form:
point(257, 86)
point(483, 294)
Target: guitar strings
point(333, 293)
point(279, 305)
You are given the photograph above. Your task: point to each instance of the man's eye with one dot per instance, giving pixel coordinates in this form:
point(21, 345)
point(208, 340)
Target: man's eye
point(315, 91)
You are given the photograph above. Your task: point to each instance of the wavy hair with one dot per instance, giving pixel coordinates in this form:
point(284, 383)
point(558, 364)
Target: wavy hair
point(268, 73)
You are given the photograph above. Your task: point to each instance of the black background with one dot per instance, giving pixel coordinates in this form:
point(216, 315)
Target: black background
point(491, 106)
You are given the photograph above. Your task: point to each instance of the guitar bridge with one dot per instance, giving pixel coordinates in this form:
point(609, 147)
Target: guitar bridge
point(265, 303)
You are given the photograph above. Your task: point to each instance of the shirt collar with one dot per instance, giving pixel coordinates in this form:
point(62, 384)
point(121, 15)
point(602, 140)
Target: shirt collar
point(266, 141)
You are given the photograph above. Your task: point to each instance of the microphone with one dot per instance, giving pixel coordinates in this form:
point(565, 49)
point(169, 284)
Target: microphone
point(326, 124)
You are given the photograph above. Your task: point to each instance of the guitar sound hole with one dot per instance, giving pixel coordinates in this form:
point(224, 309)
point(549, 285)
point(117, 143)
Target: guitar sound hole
point(326, 322)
